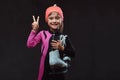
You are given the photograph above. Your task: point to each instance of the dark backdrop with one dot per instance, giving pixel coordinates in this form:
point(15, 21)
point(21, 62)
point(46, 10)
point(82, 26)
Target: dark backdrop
point(93, 26)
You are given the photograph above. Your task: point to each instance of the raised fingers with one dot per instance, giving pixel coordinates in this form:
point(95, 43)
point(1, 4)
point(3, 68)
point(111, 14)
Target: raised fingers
point(34, 18)
point(37, 19)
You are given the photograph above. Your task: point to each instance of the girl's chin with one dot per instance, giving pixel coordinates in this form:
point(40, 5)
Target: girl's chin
point(54, 27)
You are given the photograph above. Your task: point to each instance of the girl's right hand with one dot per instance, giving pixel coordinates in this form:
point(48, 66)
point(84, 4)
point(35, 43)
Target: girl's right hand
point(35, 24)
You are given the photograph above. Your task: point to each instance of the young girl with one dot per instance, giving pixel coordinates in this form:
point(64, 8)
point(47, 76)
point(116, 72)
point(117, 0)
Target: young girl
point(56, 48)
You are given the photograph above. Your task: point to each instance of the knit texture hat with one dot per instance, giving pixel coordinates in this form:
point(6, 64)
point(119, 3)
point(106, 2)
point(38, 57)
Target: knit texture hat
point(53, 8)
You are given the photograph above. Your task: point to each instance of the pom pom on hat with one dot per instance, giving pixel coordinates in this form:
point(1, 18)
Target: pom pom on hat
point(53, 8)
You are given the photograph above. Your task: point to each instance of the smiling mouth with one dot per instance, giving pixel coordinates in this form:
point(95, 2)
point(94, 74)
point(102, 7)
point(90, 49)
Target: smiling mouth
point(54, 24)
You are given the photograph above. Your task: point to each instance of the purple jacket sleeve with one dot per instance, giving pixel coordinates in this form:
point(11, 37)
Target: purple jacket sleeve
point(33, 39)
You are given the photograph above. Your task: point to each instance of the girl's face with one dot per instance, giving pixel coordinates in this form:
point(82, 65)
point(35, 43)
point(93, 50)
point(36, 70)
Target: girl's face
point(54, 21)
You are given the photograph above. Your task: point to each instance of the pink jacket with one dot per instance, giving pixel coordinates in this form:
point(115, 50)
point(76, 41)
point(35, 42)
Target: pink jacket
point(33, 40)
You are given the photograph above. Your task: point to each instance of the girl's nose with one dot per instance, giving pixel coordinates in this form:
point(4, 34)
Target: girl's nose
point(54, 20)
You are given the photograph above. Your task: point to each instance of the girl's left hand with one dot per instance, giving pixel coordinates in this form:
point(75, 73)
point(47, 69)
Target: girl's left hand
point(57, 45)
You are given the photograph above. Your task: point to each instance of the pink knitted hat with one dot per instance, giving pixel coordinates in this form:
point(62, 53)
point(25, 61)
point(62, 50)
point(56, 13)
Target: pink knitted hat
point(52, 9)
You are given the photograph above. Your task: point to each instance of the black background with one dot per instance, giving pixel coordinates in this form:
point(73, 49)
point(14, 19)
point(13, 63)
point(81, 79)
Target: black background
point(93, 26)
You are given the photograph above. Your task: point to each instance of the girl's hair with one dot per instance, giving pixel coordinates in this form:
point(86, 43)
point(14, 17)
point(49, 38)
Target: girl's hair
point(61, 27)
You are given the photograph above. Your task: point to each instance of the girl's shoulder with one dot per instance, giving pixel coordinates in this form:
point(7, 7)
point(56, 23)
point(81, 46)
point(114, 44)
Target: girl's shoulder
point(43, 31)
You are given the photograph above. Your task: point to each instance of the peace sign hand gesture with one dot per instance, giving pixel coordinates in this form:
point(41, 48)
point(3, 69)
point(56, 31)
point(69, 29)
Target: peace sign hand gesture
point(35, 24)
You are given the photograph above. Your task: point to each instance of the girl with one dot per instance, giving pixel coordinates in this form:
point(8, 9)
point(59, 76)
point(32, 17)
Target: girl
point(56, 48)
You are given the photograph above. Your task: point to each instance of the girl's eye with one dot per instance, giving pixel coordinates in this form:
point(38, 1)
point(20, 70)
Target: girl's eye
point(50, 18)
point(57, 17)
